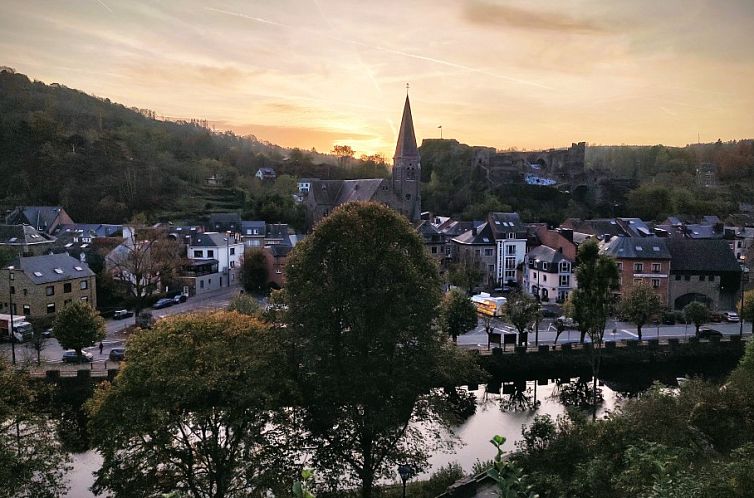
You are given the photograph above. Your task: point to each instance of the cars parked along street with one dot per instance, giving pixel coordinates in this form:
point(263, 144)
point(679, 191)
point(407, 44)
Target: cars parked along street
point(70, 356)
point(731, 316)
point(121, 314)
point(117, 354)
point(706, 333)
point(163, 303)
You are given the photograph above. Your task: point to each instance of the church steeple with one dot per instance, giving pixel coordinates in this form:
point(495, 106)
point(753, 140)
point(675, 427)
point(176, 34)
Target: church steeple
point(406, 146)
point(406, 166)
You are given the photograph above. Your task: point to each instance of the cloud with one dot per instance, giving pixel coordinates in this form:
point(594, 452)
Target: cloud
point(487, 14)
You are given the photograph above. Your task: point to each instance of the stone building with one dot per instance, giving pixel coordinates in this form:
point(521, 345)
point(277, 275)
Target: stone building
point(400, 192)
point(42, 285)
point(640, 259)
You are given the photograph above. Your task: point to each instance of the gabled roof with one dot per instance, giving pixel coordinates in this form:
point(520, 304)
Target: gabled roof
point(211, 239)
point(40, 217)
point(358, 190)
point(597, 227)
point(279, 250)
point(478, 236)
point(21, 235)
point(90, 229)
point(504, 223)
point(406, 145)
point(52, 268)
point(429, 232)
point(705, 255)
point(454, 228)
point(224, 218)
point(325, 192)
point(636, 248)
point(548, 255)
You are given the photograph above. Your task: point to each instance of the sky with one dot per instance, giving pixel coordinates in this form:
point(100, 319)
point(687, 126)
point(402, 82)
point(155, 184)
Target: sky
point(527, 74)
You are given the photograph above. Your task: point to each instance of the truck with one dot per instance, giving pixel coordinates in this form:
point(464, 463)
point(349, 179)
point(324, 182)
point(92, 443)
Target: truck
point(488, 305)
point(20, 332)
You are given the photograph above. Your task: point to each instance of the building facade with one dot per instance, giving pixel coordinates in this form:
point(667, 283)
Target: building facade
point(477, 247)
point(639, 260)
point(549, 274)
point(226, 248)
point(510, 238)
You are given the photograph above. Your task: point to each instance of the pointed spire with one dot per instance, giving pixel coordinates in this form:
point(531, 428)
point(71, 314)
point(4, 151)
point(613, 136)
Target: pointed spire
point(406, 146)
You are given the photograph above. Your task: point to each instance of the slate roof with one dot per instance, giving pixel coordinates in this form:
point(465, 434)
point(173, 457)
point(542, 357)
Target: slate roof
point(280, 250)
point(22, 235)
point(429, 232)
point(40, 217)
point(503, 223)
point(224, 218)
point(636, 227)
point(547, 255)
point(93, 229)
point(454, 228)
point(406, 145)
point(483, 236)
point(636, 248)
point(358, 190)
point(210, 239)
point(52, 268)
point(253, 228)
point(325, 192)
point(597, 227)
point(705, 255)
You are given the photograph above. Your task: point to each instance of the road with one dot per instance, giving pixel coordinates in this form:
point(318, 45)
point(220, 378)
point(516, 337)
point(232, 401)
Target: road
point(622, 331)
point(114, 333)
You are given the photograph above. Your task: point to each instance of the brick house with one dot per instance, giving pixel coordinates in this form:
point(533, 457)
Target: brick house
point(640, 259)
point(276, 256)
point(42, 285)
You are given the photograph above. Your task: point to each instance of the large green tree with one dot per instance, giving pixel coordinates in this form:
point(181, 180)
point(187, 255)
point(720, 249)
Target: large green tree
point(593, 300)
point(696, 313)
point(254, 275)
point(193, 410)
point(457, 314)
point(522, 310)
point(33, 462)
point(639, 304)
point(363, 296)
point(78, 325)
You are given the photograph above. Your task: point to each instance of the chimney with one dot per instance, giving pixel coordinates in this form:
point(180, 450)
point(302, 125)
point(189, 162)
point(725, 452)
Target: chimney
point(567, 233)
point(473, 231)
point(607, 237)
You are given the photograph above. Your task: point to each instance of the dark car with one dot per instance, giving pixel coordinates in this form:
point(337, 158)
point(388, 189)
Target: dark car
point(180, 298)
point(709, 333)
point(70, 356)
point(121, 314)
point(163, 303)
point(118, 354)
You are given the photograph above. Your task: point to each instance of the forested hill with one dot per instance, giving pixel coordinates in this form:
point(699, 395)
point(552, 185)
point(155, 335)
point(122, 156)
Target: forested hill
point(105, 162)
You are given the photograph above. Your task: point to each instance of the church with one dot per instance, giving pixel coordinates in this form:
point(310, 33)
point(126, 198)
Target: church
point(402, 191)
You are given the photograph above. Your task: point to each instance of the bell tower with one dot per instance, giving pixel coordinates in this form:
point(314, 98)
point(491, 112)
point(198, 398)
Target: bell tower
point(406, 167)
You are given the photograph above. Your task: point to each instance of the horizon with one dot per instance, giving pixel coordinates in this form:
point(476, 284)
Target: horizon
point(313, 74)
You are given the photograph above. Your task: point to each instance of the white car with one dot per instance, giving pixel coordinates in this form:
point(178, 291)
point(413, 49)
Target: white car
point(731, 316)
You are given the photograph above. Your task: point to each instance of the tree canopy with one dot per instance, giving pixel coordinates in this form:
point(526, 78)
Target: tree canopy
point(696, 313)
point(522, 310)
point(78, 325)
point(457, 314)
point(639, 304)
point(254, 275)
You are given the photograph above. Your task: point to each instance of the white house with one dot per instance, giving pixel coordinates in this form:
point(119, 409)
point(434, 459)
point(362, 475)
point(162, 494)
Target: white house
point(549, 273)
point(510, 236)
point(225, 248)
point(305, 184)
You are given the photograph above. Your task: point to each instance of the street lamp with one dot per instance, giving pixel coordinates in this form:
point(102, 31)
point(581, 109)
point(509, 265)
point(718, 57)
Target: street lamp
point(405, 471)
point(10, 326)
point(536, 319)
point(742, 258)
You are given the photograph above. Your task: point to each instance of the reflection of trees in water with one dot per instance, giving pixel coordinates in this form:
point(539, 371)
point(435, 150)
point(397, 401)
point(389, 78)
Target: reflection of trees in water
point(518, 397)
point(576, 392)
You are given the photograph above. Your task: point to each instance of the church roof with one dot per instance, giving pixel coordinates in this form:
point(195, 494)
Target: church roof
point(406, 146)
point(359, 190)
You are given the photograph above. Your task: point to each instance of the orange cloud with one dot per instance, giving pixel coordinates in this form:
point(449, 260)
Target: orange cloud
point(484, 13)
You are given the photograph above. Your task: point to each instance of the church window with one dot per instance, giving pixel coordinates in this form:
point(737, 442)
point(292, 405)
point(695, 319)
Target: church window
point(410, 174)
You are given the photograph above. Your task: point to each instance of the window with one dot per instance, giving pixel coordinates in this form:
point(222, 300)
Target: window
point(50, 308)
point(677, 277)
point(67, 287)
point(232, 251)
point(278, 270)
point(50, 290)
point(655, 283)
point(565, 267)
point(201, 284)
point(491, 268)
point(12, 275)
point(701, 278)
point(210, 253)
point(12, 289)
point(565, 281)
point(84, 284)
point(478, 252)
point(638, 267)
point(25, 292)
point(656, 267)
point(620, 265)
point(511, 250)
point(408, 197)
point(198, 254)
point(510, 264)
point(232, 264)
point(488, 252)
point(511, 235)
point(544, 277)
point(711, 278)
point(27, 309)
point(510, 274)
point(434, 250)
point(545, 266)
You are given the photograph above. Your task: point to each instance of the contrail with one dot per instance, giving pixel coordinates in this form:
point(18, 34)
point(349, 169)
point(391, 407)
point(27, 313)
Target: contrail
point(105, 5)
point(385, 49)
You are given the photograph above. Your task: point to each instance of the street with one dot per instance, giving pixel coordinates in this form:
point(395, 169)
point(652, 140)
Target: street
point(615, 331)
point(52, 352)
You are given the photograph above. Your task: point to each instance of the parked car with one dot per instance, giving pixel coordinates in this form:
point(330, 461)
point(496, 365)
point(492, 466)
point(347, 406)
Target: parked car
point(70, 356)
point(180, 298)
point(706, 333)
point(121, 314)
point(118, 354)
point(567, 322)
point(47, 333)
point(715, 317)
point(163, 303)
point(731, 316)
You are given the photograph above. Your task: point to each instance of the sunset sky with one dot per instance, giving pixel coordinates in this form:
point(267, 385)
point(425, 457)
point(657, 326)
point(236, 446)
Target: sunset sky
point(312, 73)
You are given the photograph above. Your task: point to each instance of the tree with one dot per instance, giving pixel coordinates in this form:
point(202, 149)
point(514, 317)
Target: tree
point(597, 276)
point(144, 263)
point(78, 325)
point(246, 305)
point(34, 463)
point(254, 275)
point(362, 296)
point(184, 415)
point(522, 310)
point(747, 313)
point(465, 274)
point(343, 152)
point(639, 304)
point(457, 314)
point(696, 313)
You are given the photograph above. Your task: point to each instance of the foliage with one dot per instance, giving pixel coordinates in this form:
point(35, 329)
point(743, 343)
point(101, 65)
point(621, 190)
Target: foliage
point(457, 314)
point(245, 305)
point(639, 304)
point(364, 344)
point(508, 476)
point(254, 275)
point(301, 488)
point(78, 325)
point(465, 274)
point(696, 313)
point(747, 313)
point(34, 464)
point(522, 310)
point(181, 404)
point(7, 255)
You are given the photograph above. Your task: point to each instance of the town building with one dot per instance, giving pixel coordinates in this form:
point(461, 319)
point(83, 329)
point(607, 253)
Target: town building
point(640, 259)
point(266, 174)
point(276, 257)
point(305, 184)
point(199, 276)
point(253, 233)
point(434, 240)
point(25, 240)
point(226, 249)
point(43, 218)
point(477, 247)
point(224, 222)
point(43, 285)
point(704, 270)
point(510, 237)
point(549, 274)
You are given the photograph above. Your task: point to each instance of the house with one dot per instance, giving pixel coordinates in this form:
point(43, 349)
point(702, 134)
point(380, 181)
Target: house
point(276, 257)
point(640, 259)
point(253, 233)
point(266, 174)
point(400, 192)
point(595, 228)
point(305, 184)
point(200, 275)
point(434, 240)
point(703, 270)
point(227, 249)
point(560, 240)
point(43, 218)
point(277, 234)
point(224, 222)
point(25, 240)
point(510, 237)
point(549, 274)
point(477, 247)
point(43, 285)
